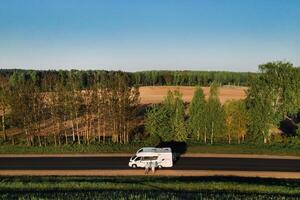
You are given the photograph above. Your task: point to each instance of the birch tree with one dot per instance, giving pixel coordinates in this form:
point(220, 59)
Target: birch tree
point(215, 122)
point(4, 105)
point(197, 115)
point(236, 120)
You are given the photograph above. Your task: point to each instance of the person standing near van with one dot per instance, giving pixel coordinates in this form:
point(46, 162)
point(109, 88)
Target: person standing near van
point(147, 167)
point(153, 166)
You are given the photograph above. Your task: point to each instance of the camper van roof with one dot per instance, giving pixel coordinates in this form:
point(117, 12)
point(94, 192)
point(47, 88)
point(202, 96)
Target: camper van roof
point(154, 150)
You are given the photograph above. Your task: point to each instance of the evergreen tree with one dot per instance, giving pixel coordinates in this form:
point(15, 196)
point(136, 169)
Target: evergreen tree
point(168, 120)
point(169, 102)
point(157, 123)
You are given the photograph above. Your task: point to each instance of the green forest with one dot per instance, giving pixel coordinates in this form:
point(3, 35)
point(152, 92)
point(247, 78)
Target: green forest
point(56, 108)
point(86, 78)
point(269, 113)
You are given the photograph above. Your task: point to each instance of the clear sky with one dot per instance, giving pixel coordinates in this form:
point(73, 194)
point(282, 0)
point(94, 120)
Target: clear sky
point(134, 35)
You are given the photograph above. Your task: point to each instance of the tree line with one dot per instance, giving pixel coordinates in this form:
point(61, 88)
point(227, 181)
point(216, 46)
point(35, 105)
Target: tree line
point(84, 79)
point(191, 78)
point(206, 120)
point(62, 107)
point(61, 112)
point(273, 97)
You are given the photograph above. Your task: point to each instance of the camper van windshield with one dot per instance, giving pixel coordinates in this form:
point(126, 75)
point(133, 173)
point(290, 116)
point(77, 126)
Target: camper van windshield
point(140, 150)
point(133, 157)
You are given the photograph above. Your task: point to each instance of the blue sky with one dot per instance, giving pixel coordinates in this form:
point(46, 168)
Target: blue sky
point(134, 35)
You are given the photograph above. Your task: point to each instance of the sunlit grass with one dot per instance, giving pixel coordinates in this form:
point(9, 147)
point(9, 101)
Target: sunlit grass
point(131, 148)
point(147, 188)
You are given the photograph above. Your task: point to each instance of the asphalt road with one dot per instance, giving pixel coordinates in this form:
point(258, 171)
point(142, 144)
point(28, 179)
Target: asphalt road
point(115, 163)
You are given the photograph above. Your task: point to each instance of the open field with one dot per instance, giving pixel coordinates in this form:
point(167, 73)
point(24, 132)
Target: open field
point(147, 188)
point(156, 94)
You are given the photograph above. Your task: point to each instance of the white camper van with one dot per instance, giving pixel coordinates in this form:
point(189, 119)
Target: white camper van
point(162, 157)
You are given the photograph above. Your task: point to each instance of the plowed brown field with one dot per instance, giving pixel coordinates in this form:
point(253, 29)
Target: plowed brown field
point(156, 94)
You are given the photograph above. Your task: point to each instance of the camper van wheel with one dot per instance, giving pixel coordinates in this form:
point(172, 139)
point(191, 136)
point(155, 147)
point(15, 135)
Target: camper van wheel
point(133, 166)
point(159, 166)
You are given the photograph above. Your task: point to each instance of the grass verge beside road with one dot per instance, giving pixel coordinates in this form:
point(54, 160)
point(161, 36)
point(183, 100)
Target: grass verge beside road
point(292, 150)
point(147, 188)
point(275, 149)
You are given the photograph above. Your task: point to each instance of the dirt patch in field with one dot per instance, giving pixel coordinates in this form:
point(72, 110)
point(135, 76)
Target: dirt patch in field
point(156, 94)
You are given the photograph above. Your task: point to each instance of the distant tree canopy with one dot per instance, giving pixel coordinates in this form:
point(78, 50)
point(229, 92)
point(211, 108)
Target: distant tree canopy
point(191, 78)
point(85, 78)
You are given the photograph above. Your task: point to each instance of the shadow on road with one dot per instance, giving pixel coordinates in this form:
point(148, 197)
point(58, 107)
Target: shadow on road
point(178, 148)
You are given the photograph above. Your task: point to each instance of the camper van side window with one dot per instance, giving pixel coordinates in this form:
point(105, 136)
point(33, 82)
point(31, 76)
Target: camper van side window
point(155, 157)
point(150, 158)
point(146, 158)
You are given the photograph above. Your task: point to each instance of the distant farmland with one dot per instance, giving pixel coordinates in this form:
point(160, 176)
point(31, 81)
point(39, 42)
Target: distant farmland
point(156, 94)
